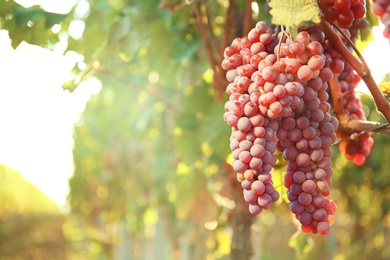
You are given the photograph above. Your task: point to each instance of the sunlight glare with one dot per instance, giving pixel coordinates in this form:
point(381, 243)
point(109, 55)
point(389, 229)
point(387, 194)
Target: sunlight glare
point(54, 6)
point(38, 115)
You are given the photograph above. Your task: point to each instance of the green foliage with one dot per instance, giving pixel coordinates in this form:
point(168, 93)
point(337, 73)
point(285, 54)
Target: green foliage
point(150, 141)
point(108, 184)
point(29, 24)
point(302, 244)
point(25, 16)
point(203, 130)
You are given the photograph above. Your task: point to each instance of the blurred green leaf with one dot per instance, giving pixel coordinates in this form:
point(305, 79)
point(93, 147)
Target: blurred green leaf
point(302, 244)
point(119, 29)
point(53, 18)
point(24, 16)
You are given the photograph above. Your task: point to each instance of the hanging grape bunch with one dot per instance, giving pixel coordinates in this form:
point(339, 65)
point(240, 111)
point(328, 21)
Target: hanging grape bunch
point(279, 87)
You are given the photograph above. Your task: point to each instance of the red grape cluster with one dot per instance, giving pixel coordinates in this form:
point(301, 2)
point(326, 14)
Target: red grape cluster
point(278, 99)
point(252, 138)
point(382, 9)
point(305, 139)
point(355, 148)
point(344, 12)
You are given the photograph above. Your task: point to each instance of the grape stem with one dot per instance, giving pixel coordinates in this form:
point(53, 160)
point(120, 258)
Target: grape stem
point(363, 126)
point(337, 96)
point(361, 69)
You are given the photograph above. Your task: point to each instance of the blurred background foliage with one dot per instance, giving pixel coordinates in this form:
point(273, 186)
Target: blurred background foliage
point(151, 179)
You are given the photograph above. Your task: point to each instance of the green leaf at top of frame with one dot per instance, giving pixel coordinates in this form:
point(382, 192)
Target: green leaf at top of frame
point(25, 15)
point(292, 13)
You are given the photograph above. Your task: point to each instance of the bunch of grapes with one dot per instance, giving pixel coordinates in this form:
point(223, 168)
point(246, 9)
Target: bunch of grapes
point(382, 9)
point(344, 12)
point(278, 99)
point(252, 138)
point(356, 146)
point(305, 138)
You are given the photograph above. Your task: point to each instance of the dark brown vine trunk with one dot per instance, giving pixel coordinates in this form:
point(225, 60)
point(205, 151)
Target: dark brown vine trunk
point(241, 222)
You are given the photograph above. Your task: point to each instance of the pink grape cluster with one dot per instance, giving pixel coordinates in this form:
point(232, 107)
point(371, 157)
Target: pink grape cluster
point(344, 12)
point(278, 99)
point(252, 137)
point(306, 136)
point(356, 148)
point(382, 9)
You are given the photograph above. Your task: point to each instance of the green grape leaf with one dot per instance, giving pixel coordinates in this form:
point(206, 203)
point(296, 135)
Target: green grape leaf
point(25, 15)
point(53, 18)
point(294, 12)
point(30, 24)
